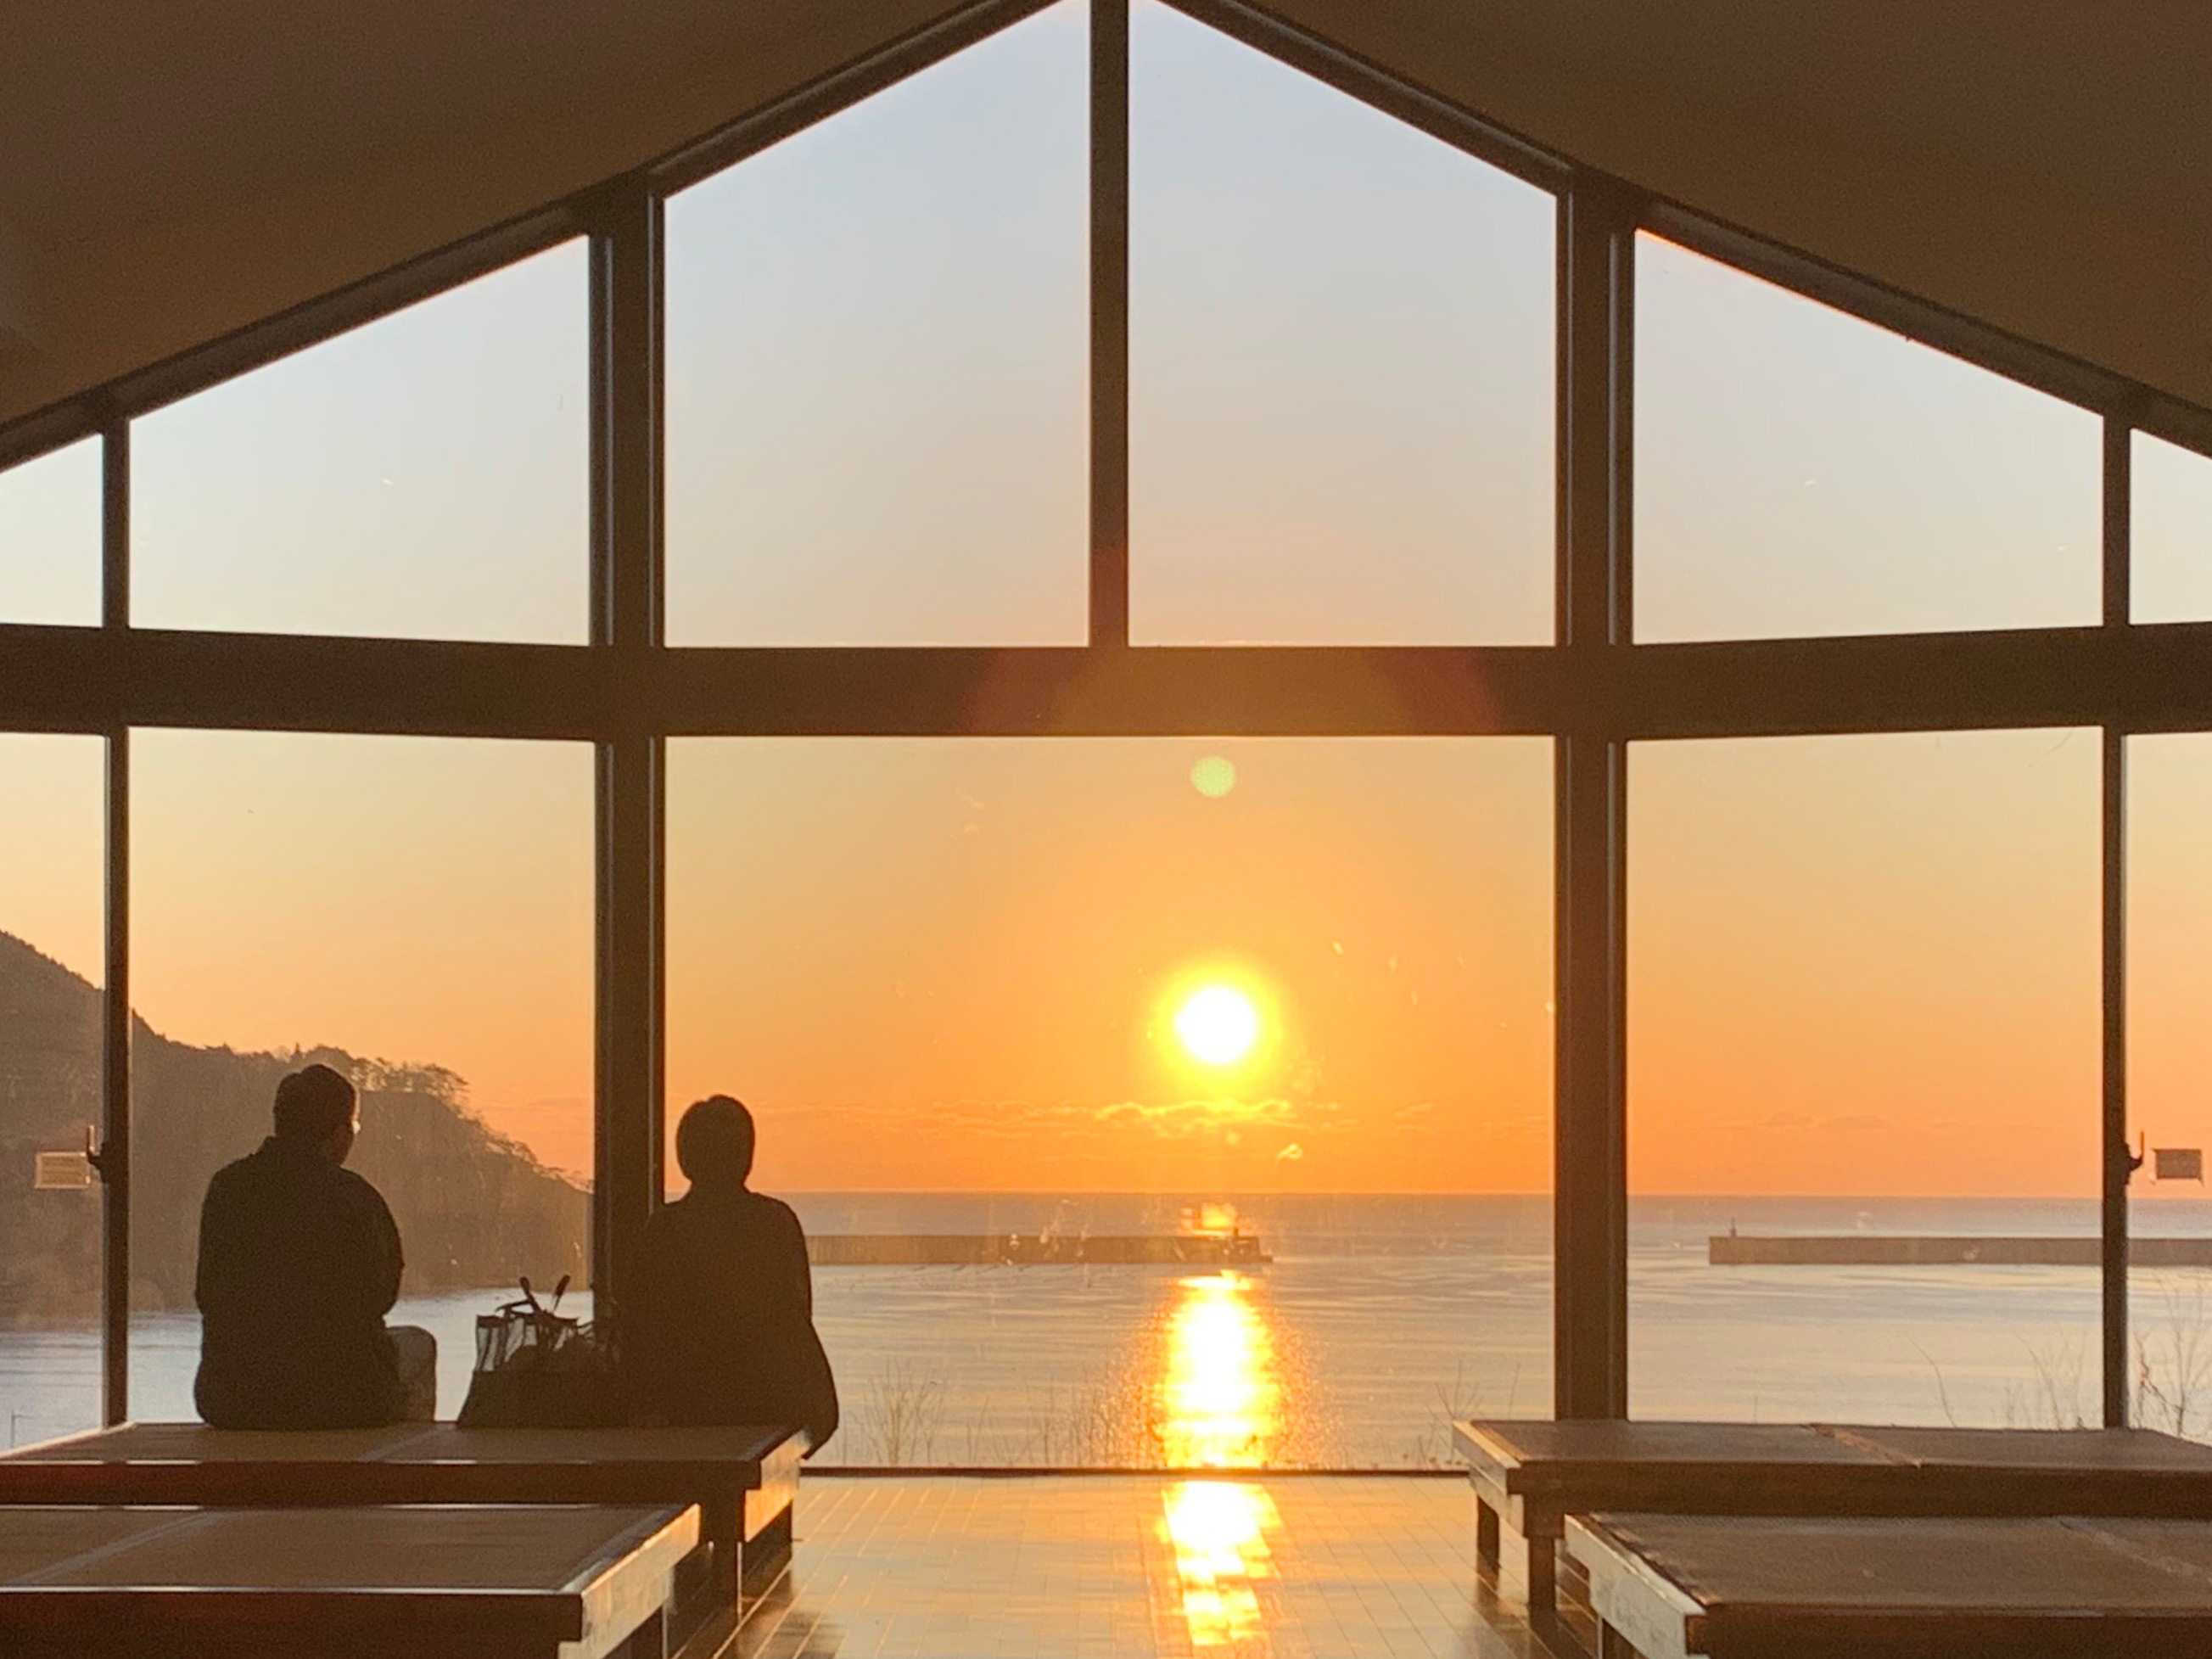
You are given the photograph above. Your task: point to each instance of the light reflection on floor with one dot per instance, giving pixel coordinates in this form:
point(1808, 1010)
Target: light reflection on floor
point(1220, 1408)
point(1081, 1567)
point(1218, 1531)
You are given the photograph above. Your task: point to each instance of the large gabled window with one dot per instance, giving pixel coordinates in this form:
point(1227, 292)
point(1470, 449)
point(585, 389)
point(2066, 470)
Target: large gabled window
point(1419, 467)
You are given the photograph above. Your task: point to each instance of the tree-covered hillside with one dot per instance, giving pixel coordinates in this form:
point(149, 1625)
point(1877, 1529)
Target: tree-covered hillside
point(474, 1207)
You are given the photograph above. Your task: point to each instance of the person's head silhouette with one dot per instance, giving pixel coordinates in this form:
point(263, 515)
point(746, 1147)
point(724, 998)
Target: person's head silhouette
point(317, 1106)
point(714, 1144)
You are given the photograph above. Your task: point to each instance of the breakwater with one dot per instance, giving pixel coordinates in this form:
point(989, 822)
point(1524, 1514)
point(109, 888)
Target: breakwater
point(1902, 1250)
point(1020, 1249)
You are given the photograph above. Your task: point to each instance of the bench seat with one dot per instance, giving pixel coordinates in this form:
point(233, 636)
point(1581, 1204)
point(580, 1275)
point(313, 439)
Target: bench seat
point(1670, 1587)
point(1530, 1475)
point(742, 1480)
point(461, 1582)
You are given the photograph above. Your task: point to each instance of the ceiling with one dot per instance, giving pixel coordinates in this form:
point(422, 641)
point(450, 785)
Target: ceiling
point(169, 174)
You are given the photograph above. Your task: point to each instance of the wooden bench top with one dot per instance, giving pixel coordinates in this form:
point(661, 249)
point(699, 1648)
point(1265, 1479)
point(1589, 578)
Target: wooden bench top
point(417, 1463)
point(1791, 1588)
point(1541, 1471)
point(1528, 1452)
point(487, 1580)
point(2089, 1450)
point(744, 1480)
point(406, 1443)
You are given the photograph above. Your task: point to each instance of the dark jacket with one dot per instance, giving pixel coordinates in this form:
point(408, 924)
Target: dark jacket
point(299, 1263)
point(720, 1328)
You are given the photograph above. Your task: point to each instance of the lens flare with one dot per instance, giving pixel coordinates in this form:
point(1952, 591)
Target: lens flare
point(1217, 1024)
point(1214, 776)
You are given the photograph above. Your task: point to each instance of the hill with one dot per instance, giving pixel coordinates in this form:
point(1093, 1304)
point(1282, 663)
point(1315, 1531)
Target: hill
point(474, 1207)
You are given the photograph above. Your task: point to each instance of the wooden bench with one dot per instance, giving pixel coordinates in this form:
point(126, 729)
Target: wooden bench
point(742, 1480)
point(1667, 1586)
point(469, 1583)
point(1530, 1475)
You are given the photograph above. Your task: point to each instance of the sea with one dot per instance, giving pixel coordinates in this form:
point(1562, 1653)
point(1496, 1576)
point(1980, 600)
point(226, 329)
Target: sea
point(1378, 1321)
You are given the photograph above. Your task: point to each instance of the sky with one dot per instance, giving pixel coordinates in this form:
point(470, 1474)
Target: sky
point(955, 964)
point(1862, 964)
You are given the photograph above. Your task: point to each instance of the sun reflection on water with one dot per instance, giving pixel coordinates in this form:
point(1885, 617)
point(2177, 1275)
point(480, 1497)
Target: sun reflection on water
point(1220, 1397)
point(1220, 1407)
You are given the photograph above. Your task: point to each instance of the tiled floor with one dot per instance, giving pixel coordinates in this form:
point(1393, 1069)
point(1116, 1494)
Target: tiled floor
point(1067, 1567)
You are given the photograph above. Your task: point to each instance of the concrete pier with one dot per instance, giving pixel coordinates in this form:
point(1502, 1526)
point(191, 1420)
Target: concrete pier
point(1901, 1250)
point(1026, 1249)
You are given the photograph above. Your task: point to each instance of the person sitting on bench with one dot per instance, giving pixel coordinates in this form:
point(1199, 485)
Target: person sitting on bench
point(721, 1330)
point(299, 1263)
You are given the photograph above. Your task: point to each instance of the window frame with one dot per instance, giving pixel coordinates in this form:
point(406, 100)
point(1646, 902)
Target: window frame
point(1593, 692)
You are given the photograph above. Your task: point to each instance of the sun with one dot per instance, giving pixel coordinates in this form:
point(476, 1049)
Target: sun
point(1217, 1024)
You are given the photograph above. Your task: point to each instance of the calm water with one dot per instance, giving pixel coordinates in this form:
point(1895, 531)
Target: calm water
point(1379, 1320)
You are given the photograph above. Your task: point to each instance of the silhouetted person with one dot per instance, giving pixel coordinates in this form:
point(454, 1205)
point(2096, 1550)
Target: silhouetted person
point(299, 1263)
point(720, 1328)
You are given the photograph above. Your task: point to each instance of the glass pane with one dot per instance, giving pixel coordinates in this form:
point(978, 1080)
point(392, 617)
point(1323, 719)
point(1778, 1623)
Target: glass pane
point(50, 538)
point(426, 476)
point(52, 905)
point(1342, 366)
point(414, 912)
point(2170, 533)
point(2169, 1058)
point(1799, 471)
point(1091, 1004)
point(1864, 1031)
point(878, 337)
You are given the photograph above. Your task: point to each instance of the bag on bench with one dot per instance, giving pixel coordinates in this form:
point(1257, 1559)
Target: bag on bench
point(537, 1368)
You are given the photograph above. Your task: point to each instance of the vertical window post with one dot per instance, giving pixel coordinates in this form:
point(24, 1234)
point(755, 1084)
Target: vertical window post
point(2119, 1163)
point(1597, 232)
point(626, 628)
point(1109, 322)
point(115, 997)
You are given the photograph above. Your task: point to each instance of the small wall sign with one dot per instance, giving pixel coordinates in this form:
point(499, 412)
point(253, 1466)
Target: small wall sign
point(60, 1172)
point(2178, 1163)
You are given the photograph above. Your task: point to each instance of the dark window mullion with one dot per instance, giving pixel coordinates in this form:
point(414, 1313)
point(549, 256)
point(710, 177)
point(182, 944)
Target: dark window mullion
point(2118, 485)
point(115, 982)
point(627, 569)
point(1110, 323)
point(1597, 231)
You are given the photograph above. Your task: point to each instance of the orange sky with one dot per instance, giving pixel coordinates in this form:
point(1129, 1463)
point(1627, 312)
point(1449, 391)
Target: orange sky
point(2170, 942)
point(407, 900)
point(1857, 965)
point(1864, 965)
point(935, 964)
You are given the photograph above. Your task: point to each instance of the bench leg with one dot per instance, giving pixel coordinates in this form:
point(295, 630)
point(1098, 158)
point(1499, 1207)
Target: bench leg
point(1543, 1585)
point(1485, 1534)
point(719, 1528)
point(767, 1556)
point(1612, 1645)
point(649, 1640)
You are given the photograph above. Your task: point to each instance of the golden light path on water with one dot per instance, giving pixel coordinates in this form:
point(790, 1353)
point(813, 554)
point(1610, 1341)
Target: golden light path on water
point(1220, 1407)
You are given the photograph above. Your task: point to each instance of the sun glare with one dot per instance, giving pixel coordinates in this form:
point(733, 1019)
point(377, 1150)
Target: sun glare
point(1217, 1024)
